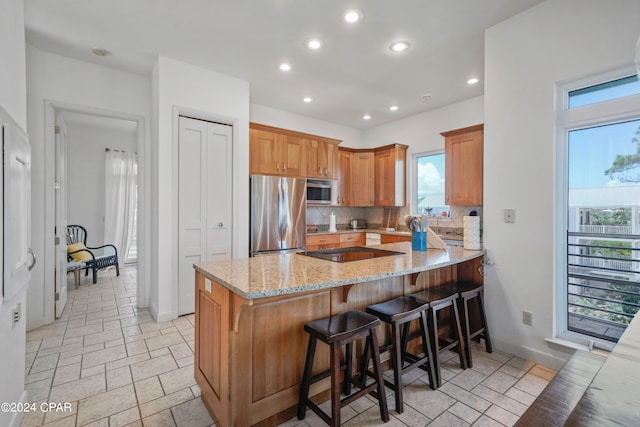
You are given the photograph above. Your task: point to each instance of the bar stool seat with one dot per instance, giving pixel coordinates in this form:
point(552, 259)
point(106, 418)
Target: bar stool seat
point(336, 331)
point(440, 297)
point(398, 314)
point(468, 291)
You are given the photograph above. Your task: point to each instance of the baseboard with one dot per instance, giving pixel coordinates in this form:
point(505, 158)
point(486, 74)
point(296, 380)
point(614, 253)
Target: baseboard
point(161, 317)
point(16, 420)
point(528, 353)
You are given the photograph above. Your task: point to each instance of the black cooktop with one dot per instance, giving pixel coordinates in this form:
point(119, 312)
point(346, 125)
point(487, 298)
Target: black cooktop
point(354, 253)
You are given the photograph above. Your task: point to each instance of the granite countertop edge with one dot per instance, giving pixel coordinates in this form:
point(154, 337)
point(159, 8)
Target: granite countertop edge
point(209, 270)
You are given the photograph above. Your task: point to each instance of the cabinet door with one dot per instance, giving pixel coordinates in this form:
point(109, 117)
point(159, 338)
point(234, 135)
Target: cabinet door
point(314, 167)
point(293, 162)
point(390, 176)
point(344, 178)
point(266, 151)
point(362, 179)
point(331, 165)
point(463, 169)
point(384, 186)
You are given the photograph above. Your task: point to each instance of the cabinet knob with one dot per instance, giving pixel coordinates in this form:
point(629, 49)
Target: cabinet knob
point(277, 166)
point(284, 167)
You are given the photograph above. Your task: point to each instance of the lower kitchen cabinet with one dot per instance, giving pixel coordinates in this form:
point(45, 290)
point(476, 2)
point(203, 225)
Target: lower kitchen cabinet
point(323, 241)
point(393, 238)
point(352, 239)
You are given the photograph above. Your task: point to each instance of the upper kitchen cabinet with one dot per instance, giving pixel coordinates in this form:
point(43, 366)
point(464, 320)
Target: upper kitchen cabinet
point(322, 158)
point(362, 179)
point(274, 153)
point(463, 152)
point(390, 175)
point(344, 177)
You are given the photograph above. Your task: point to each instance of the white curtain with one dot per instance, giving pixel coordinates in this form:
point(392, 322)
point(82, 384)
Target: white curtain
point(121, 172)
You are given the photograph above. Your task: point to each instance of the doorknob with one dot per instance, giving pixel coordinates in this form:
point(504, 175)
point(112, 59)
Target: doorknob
point(30, 251)
point(220, 224)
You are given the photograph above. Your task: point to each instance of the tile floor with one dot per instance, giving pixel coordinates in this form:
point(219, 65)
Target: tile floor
point(113, 366)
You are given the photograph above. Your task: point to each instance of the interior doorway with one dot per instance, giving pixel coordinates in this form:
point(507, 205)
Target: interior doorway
point(87, 143)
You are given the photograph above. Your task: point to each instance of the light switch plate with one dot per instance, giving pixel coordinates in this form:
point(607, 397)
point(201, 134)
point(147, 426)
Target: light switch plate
point(510, 216)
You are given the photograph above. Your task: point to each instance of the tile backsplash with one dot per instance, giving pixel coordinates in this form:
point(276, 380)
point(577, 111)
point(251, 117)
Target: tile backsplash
point(373, 215)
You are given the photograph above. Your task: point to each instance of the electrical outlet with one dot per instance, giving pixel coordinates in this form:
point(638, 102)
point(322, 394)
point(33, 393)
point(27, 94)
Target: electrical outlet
point(510, 216)
point(527, 318)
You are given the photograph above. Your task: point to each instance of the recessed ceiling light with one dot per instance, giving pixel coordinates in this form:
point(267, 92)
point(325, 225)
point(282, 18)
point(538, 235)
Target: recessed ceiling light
point(366, 117)
point(400, 46)
point(393, 108)
point(472, 81)
point(99, 51)
point(285, 67)
point(352, 16)
point(314, 44)
point(307, 99)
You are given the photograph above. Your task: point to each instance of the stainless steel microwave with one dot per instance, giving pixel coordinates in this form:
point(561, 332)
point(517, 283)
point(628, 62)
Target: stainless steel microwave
point(322, 192)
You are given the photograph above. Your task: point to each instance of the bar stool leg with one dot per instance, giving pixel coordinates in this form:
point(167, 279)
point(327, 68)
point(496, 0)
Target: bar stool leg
point(306, 377)
point(466, 331)
point(426, 347)
point(348, 354)
point(435, 345)
point(377, 369)
point(396, 361)
point(461, 346)
point(487, 338)
point(335, 385)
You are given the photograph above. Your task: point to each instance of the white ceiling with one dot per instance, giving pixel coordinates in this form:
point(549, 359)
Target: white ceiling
point(352, 74)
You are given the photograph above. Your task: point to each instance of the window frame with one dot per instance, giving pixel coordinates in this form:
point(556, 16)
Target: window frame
point(413, 204)
point(592, 115)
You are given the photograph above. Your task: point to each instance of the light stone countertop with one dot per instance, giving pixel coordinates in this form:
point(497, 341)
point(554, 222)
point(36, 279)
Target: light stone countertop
point(272, 275)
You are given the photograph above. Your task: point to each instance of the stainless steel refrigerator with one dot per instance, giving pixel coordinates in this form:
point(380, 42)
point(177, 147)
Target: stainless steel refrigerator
point(278, 214)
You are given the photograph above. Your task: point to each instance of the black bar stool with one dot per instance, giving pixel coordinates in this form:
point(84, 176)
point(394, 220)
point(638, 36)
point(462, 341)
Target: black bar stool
point(466, 292)
point(398, 313)
point(336, 331)
point(440, 297)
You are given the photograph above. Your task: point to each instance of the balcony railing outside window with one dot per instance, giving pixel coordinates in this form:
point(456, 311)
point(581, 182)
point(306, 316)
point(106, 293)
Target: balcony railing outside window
point(603, 291)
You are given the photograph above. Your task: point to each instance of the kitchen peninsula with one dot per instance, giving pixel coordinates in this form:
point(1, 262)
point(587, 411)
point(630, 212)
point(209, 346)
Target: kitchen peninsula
point(249, 339)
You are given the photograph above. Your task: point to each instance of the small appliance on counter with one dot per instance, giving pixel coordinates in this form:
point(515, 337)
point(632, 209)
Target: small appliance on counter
point(357, 224)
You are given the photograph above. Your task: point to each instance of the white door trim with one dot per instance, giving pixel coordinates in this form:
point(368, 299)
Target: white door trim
point(144, 223)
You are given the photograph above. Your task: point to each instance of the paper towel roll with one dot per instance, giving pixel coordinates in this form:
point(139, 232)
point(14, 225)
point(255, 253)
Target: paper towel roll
point(471, 237)
point(332, 223)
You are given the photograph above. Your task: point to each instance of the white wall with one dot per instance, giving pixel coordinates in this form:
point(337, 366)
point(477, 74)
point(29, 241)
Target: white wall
point(86, 145)
point(13, 99)
point(351, 137)
point(68, 81)
point(186, 89)
point(524, 58)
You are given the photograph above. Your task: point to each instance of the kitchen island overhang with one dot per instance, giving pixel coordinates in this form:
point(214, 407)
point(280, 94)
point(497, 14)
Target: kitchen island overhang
point(249, 338)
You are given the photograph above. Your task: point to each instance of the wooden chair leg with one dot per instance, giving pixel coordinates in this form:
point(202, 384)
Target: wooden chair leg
point(396, 362)
point(335, 386)
point(426, 348)
point(487, 338)
point(377, 369)
point(461, 344)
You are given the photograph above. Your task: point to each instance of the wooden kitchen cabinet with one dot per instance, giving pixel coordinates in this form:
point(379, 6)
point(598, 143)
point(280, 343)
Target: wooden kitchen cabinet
point(344, 177)
point(322, 159)
point(348, 240)
point(276, 154)
point(390, 175)
point(362, 179)
point(393, 238)
point(276, 151)
point(463, 153)
point(323, 241)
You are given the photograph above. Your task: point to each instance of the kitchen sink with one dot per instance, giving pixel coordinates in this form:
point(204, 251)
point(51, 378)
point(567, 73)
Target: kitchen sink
point(354, 253)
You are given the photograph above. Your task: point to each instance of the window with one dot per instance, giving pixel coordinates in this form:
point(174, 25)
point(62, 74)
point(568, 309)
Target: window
point(430, 185)
point(599, 281)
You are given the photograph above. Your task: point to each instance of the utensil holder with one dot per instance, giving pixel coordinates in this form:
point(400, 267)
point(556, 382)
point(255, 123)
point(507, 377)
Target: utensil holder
point(419, 241)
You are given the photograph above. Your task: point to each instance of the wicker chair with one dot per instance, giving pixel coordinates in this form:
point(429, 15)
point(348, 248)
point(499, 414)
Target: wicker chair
point(101, 256)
